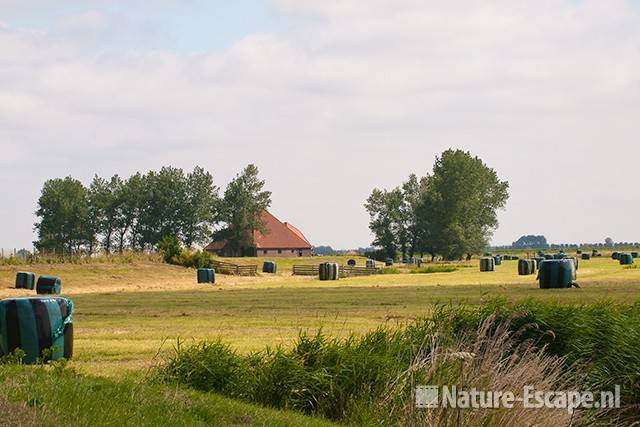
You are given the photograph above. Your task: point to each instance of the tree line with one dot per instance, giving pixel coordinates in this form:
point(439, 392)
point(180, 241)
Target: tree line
point(450, 212)
point(115, 214)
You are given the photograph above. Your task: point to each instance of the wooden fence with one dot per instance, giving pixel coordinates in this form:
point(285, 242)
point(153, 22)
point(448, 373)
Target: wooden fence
point(345, 270)
point(235, 269)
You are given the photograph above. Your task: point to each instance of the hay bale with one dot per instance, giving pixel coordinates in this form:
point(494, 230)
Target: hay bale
point(634, 254)
point(388, 262)
point(48, 285)
point(538, 260)
point(487, 254)
point(560, 255)
point(269, 267)
point(351, 263)
point(36, 324)
point(586, 256)
point(497, 260)
point(329, 271)
point(206, 275)
point(615, 255)
point(25, 280)
point(370, 263)
point(579, 252)
point(526, 267)
point(575, 260)
point(557, 273)
point(487, 264)
point(595, 253)
point(625, 259)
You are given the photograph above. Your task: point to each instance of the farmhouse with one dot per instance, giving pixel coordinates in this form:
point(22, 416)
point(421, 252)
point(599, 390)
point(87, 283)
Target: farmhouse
point(281, 240)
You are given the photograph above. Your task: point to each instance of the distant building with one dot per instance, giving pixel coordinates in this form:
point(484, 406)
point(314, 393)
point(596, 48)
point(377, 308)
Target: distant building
point(281, 240)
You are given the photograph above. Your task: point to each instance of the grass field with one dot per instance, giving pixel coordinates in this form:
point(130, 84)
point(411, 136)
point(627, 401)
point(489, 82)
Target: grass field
point(127, 314)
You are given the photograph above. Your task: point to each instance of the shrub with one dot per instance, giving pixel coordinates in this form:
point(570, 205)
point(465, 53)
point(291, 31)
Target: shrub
point(441, 268)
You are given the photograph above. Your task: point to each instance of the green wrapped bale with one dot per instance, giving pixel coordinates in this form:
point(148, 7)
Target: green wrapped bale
point(557, 273)
point(634, 255)
point(41, 327)
point(559, 256)
point(526, 267)
point(329, 271)
point(48, 285)
point(370, 263)
point(25, 280)
point(487, 264)
point(586, 256)
point(206, 275)
point(497, 260)
point(538, 260)
point(625, 259)
point(269, 267)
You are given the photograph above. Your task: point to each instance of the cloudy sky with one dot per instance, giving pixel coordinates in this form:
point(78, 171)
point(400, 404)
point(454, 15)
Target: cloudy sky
point(330, 97)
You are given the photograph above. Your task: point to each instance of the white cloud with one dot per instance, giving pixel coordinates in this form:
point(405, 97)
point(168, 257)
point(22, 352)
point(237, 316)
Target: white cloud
point(366, 92)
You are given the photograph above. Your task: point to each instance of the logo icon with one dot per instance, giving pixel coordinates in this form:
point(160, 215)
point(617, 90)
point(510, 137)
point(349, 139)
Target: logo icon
point(427, 396)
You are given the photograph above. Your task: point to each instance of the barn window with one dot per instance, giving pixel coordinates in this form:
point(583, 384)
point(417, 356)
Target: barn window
point(279, 251)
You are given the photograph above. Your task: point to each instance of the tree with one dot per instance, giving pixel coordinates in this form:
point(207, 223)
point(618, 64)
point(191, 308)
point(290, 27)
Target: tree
point(127, 210)
point(243, 203)
point(386, 220)
point(199, 210)
point(63, 212)
point(531, 241)
point(103, 208)
point(608, 241)
point(461, 202)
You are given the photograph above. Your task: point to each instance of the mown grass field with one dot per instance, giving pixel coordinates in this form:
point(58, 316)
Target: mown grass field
point(127, 315)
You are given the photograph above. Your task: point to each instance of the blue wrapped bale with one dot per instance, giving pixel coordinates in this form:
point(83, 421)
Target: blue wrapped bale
point(487, 264)
point(206, 275)
point(329, 271)
point(497, 260)
point(526, 267)
point(557, 273)
point(41, 327)
point(48, 285)
point(625, 259)
point(269, 267)
point(25, 280)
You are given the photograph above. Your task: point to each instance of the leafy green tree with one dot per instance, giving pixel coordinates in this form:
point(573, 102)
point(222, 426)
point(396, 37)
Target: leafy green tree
point(103, 205)
point(386, 220)
point(127, 210)
point(63, 212)
point(242, 205)
point(198, 213)
point(461, 202)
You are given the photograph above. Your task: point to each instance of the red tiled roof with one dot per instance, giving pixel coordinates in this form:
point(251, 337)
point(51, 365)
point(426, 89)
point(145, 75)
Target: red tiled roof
point(280, 235)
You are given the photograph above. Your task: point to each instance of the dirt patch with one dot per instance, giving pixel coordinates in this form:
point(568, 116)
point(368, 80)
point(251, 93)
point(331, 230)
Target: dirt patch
point(18, 414)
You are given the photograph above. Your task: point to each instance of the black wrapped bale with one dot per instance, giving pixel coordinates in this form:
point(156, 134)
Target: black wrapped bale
point(586, 256)
point(48, 285)
point(579, 252)
point(388, 262)
point(41, 327)
point(526, 267)
point(351, 263)
point(25, 280)
point(615, 255)
point(497, 260)
point(370, 263)
point(560, 255)
point(329, 271)
point(625, 259)
point(557, 273)
point(487, 264)
point(595, 253)
point(487, 254)
point(206, 275)
point(634, 254)
point(269, 267)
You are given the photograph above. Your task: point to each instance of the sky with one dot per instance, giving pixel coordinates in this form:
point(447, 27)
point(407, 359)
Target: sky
point(330, 99)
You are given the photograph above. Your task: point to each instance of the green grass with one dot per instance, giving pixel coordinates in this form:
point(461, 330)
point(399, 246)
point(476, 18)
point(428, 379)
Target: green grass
point(42, 396)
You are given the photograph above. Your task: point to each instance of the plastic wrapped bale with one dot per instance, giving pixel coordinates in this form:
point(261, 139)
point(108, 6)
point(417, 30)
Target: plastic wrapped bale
point(615, 255)
point(206, 275)
point(526, 267)
point(625, 259)
point(579, 252)
point(41, 327)
point(557, 273)
point(559, 256)
point(586, 256)
point(351, 263)
point(25, 280)
point(548, 256)
point(388, 262)
point(538, 260)
point(634, 254)
point(595, 253)
point(329, 271)
point(497, 260)
point(48, 285)
point(370, 263)
point(269, 267)
point(487, 254)
point(487, 264)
